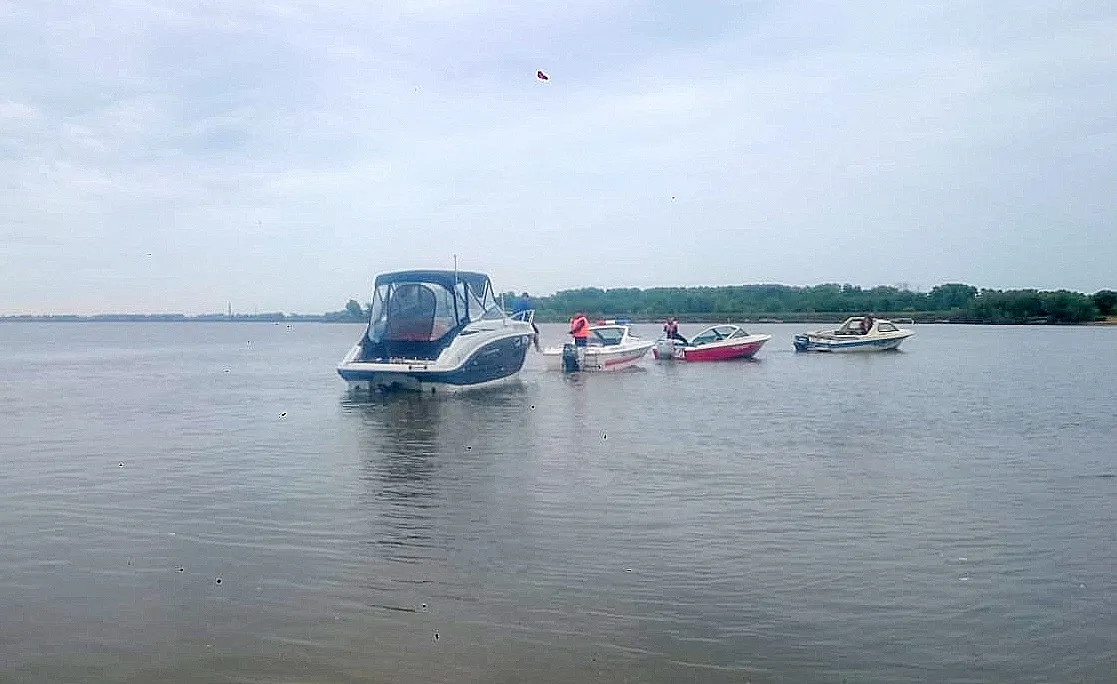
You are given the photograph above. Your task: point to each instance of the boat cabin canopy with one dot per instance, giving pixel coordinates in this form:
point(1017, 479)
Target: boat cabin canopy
point(416, 314)
point(853, 326)
point(717, 333)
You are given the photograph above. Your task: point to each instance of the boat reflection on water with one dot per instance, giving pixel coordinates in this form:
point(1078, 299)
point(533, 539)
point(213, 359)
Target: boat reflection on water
point(428, 462)
point(399, 442)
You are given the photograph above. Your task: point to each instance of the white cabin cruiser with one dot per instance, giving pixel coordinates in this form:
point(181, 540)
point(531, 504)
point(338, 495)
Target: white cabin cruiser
point(608, 348)
point(857, 333)
point(436, 331)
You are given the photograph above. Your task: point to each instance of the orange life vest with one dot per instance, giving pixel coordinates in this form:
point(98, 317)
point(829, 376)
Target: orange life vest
point(580, 327)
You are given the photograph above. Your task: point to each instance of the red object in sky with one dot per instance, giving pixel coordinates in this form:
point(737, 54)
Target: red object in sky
point(542, 76)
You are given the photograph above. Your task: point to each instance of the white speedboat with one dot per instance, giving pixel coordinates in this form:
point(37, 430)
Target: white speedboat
point(716, 343)
point(857, 333)
point(436, 331)
point(608, 348)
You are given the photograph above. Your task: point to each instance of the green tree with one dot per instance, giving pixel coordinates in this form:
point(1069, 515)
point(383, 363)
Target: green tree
point(1105, 301)
point(951, 296)
point(354, 310)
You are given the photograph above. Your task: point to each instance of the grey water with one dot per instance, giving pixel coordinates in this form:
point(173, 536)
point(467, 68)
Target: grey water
point(204, 503)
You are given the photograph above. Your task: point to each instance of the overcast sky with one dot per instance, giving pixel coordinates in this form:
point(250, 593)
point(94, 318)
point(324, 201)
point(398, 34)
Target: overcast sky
point(158, 155)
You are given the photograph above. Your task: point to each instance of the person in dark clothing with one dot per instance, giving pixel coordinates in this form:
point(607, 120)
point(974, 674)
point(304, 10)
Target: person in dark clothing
point(524, 304)
point(671, 331)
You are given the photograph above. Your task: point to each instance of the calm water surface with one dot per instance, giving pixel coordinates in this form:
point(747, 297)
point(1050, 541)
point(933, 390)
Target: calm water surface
point(202, 503)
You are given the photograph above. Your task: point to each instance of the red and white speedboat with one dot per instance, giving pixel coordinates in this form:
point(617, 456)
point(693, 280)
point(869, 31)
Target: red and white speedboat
point(716, 343)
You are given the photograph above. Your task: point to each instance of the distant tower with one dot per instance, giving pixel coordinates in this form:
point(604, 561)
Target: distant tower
point(230, 314)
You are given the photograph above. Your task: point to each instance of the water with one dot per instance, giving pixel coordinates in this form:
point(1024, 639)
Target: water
point(946, 513)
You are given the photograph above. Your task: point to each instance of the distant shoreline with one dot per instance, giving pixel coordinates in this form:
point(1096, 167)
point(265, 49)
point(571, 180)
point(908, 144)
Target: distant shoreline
point(921, 318)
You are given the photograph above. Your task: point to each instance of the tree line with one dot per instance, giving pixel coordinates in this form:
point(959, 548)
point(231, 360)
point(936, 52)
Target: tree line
point(955, 302)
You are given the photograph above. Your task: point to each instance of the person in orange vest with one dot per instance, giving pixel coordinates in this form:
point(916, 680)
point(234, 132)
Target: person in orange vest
point(580, 331)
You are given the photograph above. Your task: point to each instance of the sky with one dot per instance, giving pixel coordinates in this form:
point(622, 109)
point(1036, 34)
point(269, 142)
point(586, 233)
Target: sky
point(167, 156)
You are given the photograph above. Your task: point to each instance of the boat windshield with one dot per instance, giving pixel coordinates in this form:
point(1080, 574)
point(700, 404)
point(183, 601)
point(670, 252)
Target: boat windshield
point(607, 337)
point(716, 334)
point(482, 305)
point(852, 326)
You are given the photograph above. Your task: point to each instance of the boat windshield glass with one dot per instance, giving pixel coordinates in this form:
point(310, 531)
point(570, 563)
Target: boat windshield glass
point(411, 312)
point(715, 334)
point(607, 337)
point(886, 327)
point(482, 305)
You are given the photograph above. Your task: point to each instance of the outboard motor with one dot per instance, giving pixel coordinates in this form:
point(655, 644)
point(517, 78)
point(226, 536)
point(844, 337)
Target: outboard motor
point(570, 358)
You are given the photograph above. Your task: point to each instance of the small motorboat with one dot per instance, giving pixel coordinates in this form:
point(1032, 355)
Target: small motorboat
point(716, 343)
point(857, 333)
point(432, 331)
point(608, 348)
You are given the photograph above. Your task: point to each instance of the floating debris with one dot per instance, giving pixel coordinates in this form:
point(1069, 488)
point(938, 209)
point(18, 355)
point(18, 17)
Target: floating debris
point(218, 580)
point(283, 415)
point(120, 465)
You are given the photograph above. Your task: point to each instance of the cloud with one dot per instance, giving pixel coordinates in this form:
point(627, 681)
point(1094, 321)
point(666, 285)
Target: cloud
point(282, 153)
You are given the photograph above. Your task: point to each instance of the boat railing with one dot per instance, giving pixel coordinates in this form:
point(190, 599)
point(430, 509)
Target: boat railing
point(527, 316)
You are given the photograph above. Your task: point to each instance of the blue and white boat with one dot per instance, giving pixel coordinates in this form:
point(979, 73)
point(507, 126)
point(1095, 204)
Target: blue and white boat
point(856, 334)
point(436, 331)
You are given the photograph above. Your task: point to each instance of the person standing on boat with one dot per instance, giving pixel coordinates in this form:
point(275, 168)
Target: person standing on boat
point(580, 331)
point(524, 304)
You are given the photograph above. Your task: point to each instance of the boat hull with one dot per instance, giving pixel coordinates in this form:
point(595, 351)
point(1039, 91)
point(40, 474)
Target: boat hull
point(598, 360)
point(493, 363)
point(745, 349)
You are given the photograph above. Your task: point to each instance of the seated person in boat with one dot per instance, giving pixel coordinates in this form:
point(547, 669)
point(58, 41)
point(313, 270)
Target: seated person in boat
point(866, 324)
